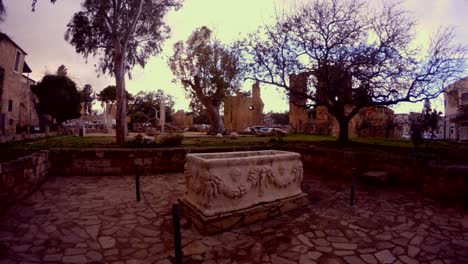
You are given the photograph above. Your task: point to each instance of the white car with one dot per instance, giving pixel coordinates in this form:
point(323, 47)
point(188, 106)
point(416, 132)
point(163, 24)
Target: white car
point(263, 130)
point(254, 129)
point(406, 136)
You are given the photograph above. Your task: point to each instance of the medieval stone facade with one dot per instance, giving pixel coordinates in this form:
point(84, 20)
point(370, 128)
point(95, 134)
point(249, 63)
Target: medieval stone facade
point(298, 116)
point(17, 110)
point(243, 110)
point(182, 119)
point(369, 122)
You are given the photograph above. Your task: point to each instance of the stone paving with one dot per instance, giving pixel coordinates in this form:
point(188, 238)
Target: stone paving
point(97, 220)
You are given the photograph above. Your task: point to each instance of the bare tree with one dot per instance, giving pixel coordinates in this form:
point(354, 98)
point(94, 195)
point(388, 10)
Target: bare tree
point(209, 71)
point(3, 9)
point(353, 57)
point(123, 33)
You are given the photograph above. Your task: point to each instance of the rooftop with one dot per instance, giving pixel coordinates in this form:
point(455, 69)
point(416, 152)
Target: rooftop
point(4, 36)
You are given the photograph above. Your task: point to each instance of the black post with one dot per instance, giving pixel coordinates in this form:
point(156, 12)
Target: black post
point(137, 181)
point(177, 236)
point(353, 187)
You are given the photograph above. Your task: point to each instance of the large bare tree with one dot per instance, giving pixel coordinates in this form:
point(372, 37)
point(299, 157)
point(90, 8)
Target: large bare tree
point(209, 71)
point(3, 9)
point(353, 56)
point(122, 33)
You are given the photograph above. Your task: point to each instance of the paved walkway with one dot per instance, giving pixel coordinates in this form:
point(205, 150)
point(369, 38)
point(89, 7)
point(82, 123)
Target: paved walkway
point(96, 220)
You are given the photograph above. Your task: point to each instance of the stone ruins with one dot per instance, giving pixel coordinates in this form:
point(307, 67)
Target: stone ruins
point(243, 110)
point(369, 122)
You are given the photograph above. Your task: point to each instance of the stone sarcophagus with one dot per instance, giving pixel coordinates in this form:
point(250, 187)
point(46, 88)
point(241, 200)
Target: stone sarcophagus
point(231, 189)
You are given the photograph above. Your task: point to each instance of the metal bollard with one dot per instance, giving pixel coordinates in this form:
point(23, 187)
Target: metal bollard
point(353, 187)
point(177, 236)
point(137, 178)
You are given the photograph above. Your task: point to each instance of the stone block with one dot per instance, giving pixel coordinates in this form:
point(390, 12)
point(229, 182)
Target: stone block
point(379, 177)
point(101, 163)
point(226, 221)
point(8, 180)
point(111, 171)
point(148, 161)
point(223, 182)
point(99, 154)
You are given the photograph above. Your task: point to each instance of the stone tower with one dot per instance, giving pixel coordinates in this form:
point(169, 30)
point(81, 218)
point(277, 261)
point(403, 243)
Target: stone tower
point(257, 105)
point(298, 116)
point(243, 110)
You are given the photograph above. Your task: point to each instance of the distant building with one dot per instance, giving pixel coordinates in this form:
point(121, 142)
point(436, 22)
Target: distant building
point(402, 125)
point(456, 122)
point(243, 110)
point(300, 118)
point(373, 121)
point(182, 119)
point(17, 102)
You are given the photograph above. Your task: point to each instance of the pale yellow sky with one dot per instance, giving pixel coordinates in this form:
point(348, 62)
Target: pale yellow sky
point(41, 35)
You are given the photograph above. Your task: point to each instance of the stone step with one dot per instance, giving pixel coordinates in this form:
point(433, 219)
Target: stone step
point(380, 177)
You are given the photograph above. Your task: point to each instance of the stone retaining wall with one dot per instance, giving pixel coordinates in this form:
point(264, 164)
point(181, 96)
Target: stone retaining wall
point(21, 177)
point(122, 161)
point(404, 171)
point(435, 180)
point(446, 182)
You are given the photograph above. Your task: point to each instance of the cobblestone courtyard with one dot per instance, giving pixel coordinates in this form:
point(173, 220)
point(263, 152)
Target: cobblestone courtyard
point(97, 220)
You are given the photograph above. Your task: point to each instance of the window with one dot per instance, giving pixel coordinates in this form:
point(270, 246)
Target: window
point(464, 98)
point(17, 61)
point(10, 105)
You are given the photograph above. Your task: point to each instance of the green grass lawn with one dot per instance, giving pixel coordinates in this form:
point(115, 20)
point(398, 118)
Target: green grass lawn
point(373, 145)
point(66, 142)
point(210, 141)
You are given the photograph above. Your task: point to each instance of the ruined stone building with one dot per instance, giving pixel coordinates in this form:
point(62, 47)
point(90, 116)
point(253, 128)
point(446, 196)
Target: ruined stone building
point(17, 102)
point(299, 118)
point(455, 100)
point(369, 122)
point(243, 110)
point(182, 119)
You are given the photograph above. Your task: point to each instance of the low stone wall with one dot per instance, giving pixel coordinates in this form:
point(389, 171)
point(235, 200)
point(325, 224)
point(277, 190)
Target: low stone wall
point(404, 171)
point(446, 182)
point(122, 161)
point(21, 177)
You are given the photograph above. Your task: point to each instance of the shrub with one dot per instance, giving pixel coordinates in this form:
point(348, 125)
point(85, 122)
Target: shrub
point(141, 142)
point(171, 140)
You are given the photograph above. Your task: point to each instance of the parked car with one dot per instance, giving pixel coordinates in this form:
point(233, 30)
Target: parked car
point(263, 131)
point(253, 129)
point(406, 136)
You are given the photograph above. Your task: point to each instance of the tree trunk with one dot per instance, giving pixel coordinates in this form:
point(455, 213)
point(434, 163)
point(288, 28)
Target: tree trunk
point(120, 115)
point(343, 136)
point(217, 125)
